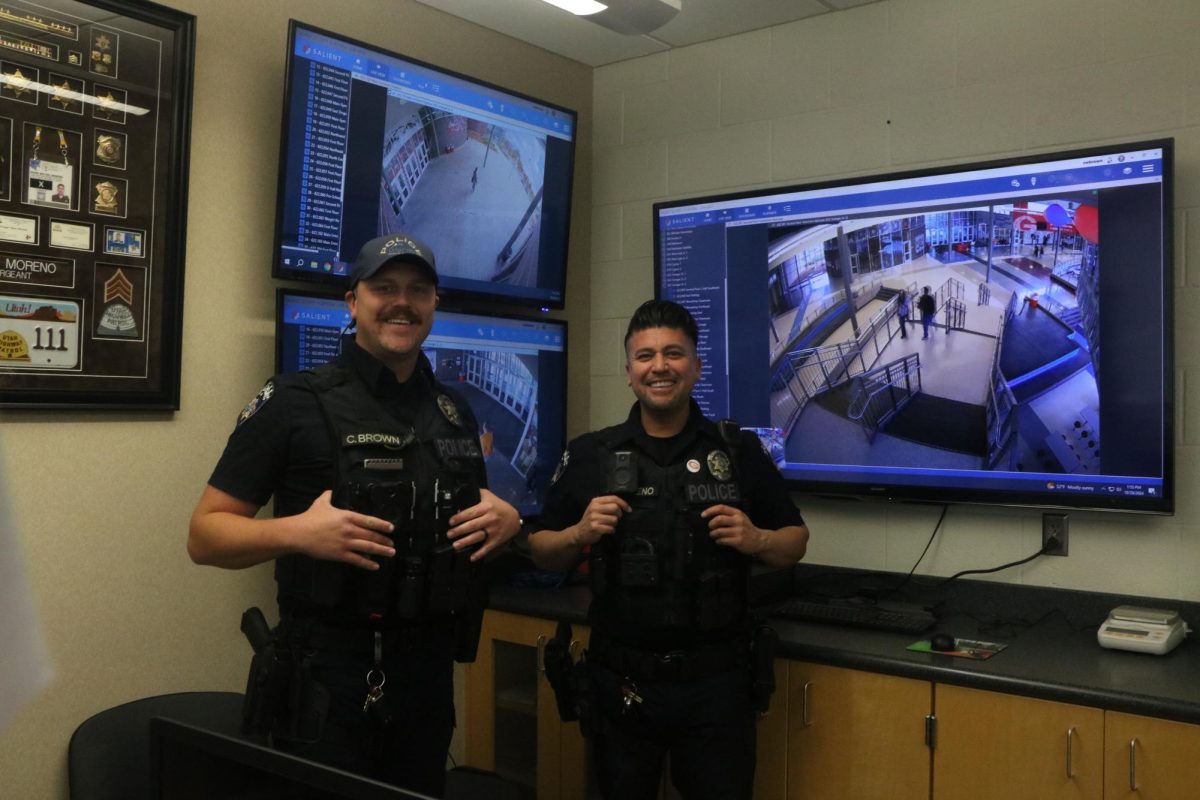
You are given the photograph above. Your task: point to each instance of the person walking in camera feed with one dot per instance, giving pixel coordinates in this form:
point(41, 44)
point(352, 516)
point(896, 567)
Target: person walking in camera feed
point(382, 519)
point(669, 509)
point(927, 305)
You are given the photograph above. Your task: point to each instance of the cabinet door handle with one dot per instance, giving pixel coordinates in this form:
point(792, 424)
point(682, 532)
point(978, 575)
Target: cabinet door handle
point(541, 651)
point(1133, 764)
point(805, 719)
point(1070, 752)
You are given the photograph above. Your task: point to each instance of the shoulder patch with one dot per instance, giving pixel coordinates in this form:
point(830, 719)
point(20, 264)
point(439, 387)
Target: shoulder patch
point(260, 400)
point(562, 465)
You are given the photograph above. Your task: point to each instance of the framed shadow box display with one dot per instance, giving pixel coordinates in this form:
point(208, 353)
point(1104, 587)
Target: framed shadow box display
point(95, 114)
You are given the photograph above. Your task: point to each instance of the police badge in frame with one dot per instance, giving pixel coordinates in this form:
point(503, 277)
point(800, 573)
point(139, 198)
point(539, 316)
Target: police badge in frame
point(95, 112)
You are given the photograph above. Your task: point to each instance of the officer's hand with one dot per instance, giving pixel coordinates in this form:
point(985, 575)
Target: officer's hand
point(489, 524)
point(335, 534)
point(731, 527)
point(600, 518)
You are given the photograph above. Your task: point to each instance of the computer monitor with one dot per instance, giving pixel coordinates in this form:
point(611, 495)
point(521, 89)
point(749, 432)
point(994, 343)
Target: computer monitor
point(1047, 378)
point(192, 763)
point(511, 369)
point(375, 143)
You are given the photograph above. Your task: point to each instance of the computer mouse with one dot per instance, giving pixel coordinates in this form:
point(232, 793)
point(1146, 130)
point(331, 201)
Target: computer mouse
point(942, 642)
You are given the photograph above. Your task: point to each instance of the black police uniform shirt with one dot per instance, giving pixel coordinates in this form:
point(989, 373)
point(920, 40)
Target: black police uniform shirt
point(282, 445)
point(582, 476)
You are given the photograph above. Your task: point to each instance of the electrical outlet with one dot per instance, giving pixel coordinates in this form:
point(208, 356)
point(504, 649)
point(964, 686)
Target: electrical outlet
point(1054, 527)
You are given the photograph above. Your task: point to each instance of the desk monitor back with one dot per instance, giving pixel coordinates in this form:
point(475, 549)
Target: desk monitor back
point(191, 763)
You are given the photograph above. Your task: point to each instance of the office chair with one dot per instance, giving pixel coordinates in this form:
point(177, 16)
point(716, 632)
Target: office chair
point(109, 754)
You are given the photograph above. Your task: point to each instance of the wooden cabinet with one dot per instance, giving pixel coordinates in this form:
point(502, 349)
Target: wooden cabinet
point(855, 735)
point(992, 746)
point(1150, 759)
point(835, 733)
point(512, 723)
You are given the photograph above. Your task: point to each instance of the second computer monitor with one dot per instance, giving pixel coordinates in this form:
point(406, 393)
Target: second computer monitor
point(512, 371)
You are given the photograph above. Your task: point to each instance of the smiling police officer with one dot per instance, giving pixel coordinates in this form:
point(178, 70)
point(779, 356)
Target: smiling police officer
point(381, 520)
point(670, 509)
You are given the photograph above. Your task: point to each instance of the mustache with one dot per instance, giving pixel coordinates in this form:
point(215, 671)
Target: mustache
point(405, 316)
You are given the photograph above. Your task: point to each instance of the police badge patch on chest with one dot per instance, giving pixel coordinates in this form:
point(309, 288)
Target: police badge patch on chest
point(449, 410)
point(260, 400)
point(719, 466)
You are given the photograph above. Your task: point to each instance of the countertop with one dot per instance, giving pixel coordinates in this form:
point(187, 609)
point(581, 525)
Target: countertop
point(1051, 651)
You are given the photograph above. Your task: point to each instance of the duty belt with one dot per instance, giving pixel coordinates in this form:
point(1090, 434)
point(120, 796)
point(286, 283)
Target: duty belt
point(672, 665)
point(429, 637)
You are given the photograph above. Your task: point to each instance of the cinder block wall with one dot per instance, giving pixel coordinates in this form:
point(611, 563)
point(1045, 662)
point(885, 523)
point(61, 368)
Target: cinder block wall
point(897, 85)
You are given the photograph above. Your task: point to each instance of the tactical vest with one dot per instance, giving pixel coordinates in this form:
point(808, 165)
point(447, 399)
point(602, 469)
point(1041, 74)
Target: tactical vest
point(661, 569)
point(415, 473)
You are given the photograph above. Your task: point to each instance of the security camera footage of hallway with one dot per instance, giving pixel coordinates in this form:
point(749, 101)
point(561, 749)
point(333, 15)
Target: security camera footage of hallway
point(510, 370)
point(1039, 328)
point(471, 190)
point(1045, 356)
point(502, 390)
point(376, 144)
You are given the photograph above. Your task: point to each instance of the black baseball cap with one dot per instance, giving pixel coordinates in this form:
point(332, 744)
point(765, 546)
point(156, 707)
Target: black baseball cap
point(394, 247)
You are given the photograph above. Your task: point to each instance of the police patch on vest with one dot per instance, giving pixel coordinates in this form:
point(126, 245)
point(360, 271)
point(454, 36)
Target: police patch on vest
point(449, 410)
point(719, 466)
point(391, 441)
point(713, 493)
point(260, 400)
point(458, 448)
point(562, 465)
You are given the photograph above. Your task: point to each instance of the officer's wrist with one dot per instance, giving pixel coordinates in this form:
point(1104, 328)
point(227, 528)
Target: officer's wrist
point(520, 540)
point(764, 543)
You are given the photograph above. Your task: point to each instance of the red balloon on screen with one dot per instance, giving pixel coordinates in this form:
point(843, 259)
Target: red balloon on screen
point(1087, 222)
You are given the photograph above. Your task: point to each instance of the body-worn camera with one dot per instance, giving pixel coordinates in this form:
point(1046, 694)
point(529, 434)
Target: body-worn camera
point(622, 473)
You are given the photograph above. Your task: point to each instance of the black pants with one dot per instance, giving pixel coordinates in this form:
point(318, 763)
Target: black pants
point(707, 725)
point(406, 740)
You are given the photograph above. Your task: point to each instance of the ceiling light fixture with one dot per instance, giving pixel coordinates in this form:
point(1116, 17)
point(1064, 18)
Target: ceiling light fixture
point(580, 8)
point(624, 16)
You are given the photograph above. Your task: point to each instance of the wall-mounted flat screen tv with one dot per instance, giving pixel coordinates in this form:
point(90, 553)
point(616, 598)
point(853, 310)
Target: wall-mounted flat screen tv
point(376, 143)
point(511, 370)
point(994, 333)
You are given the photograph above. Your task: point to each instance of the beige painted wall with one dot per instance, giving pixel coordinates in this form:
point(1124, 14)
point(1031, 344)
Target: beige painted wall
point(896, 85)
point(101, 500)
point(904, 84)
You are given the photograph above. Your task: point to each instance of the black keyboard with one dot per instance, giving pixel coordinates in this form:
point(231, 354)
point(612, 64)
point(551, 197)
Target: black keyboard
point(912, 620)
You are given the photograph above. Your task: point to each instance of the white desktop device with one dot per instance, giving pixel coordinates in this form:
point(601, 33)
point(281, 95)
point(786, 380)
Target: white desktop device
point(1142, 630)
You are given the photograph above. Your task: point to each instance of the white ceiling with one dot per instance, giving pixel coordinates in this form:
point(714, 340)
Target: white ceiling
point(558, 31)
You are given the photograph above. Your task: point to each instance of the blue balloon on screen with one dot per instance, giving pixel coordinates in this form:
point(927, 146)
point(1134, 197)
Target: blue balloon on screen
point(1058, 216)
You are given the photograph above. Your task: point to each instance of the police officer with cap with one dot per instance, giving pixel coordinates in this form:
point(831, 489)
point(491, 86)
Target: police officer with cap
point(381, 521)
point(670, 509)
